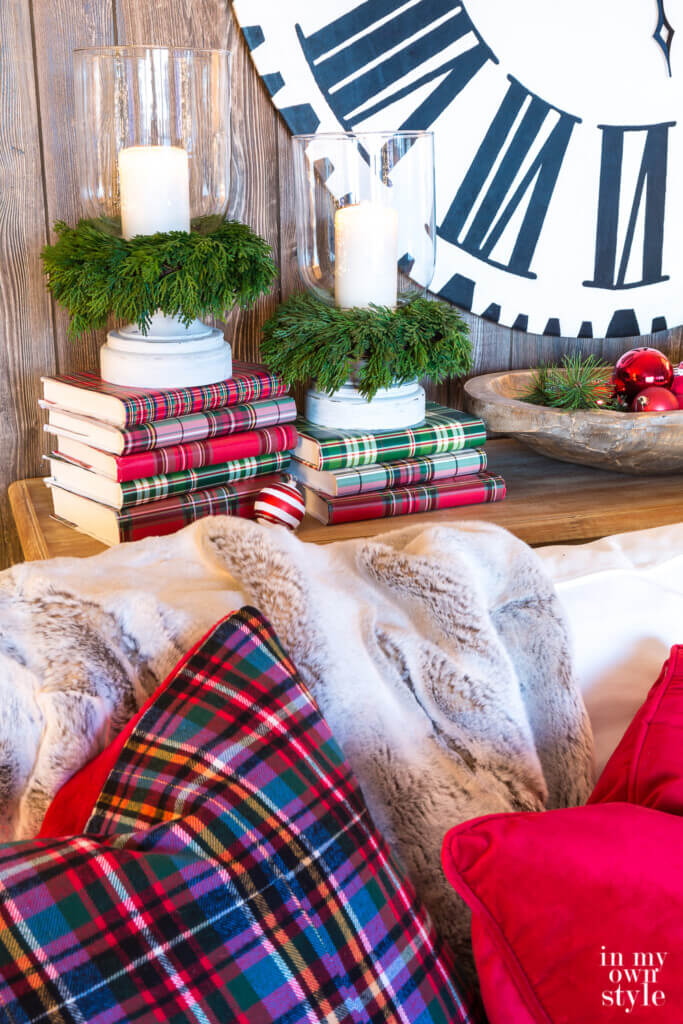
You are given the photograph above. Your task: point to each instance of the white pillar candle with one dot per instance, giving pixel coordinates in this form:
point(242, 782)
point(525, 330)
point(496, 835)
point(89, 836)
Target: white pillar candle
point(365, 255)
point(155, 190)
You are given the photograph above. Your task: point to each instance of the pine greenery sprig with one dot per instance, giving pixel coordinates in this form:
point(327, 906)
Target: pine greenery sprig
point(307, 339)
point(95, 273)
point(576, 383)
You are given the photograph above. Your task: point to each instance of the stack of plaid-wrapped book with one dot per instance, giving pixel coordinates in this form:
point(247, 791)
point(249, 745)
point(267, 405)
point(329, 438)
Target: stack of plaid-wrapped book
point(129, 463)
point(353, 475)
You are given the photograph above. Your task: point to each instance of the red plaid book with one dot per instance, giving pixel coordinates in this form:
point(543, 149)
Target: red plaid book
point(157, 518)
point(405, 501)
point(89, 395)
point(179, 457)
point(174, 430)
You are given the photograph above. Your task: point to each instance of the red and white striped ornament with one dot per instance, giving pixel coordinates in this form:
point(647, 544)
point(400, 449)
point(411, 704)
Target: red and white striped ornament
point(281, 504)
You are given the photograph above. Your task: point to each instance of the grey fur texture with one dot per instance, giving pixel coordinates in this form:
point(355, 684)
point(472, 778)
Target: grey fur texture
point(438, 656)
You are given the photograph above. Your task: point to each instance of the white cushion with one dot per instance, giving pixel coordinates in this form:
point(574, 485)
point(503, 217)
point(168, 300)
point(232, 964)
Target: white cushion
point(623, 598)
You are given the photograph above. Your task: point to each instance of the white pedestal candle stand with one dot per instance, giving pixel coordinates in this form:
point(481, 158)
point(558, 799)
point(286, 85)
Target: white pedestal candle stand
point(170, 355)
point(391, 409)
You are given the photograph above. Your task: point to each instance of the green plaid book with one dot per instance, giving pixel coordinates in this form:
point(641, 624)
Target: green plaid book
point(443, 430)
point(380, 476)
point(72, 477)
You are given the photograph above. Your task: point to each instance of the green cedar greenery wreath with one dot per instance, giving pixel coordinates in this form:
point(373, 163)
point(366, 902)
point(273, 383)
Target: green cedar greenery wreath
point(95, 273)
point(307, 339)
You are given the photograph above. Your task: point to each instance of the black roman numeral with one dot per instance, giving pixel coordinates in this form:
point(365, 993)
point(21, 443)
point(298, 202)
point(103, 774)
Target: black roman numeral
point(611, 266)
point(351, 100)
point(480, 213)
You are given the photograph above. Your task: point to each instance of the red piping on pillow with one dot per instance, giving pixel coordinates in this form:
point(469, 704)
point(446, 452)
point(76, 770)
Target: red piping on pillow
point(71, 808)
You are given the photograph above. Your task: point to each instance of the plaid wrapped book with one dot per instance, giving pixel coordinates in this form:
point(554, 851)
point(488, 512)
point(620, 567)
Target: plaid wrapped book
point(179, 457)
point(443, 430)
point(89, 395)
point(157, 518)
point(175, 430)
point(341, 483)
point(138, 492)
point(405, 501)
point(229, 872)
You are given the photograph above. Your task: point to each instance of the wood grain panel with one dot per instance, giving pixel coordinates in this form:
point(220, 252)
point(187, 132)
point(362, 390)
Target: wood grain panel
point(290, 281)
point(254, 182)
point(26, 347)
point(670, 342)
point(11, 464)
point(490, 351)
point(60, 27)
point(255, 189)
point(533, 349)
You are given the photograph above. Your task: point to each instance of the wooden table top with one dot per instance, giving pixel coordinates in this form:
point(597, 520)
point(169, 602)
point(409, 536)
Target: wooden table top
point(548, 502)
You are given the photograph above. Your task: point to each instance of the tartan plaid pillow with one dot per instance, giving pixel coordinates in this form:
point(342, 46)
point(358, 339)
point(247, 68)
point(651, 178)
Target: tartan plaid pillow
point(229, 872)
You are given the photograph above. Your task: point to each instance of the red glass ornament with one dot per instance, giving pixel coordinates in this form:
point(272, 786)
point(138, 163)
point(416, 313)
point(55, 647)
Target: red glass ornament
point(641, 368)
point(655, 400)
point(677, 385)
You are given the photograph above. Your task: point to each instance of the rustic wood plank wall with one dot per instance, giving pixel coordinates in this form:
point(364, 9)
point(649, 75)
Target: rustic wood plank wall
point(39, 184)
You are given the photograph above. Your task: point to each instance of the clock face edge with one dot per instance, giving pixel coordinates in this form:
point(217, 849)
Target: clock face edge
point(537, 301)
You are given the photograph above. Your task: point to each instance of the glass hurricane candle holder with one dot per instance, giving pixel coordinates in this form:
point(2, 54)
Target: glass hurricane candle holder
point(153, 126)
point(366, 236)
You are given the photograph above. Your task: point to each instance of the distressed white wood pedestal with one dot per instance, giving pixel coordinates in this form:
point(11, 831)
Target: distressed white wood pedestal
point(170, 355)
point(346, 409)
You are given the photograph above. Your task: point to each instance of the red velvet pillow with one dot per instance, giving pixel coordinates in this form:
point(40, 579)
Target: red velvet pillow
point(647, 766)
point(567, 905)
point(577, 914)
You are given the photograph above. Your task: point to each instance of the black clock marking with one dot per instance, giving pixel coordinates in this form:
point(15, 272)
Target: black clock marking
point(611, 267)
point(491, 217)
point(459, 290)
point(356, 43)
point(624, 324)
point(663, 34)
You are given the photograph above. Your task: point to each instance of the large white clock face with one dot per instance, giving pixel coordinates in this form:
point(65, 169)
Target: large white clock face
point(559, 140)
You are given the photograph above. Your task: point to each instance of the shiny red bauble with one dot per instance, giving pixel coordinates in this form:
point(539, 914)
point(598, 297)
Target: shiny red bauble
point(677, 386)
point(641, 368)
point(655, 400)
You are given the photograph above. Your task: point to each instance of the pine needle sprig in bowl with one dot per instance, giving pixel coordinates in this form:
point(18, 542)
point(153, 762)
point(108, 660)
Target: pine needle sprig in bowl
point(576, 383)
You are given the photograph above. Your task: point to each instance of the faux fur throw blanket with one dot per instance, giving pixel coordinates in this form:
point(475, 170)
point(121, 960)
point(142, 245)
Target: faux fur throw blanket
point(438, 656)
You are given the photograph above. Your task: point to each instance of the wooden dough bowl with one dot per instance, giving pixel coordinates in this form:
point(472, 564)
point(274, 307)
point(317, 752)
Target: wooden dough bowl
point(643, 443)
